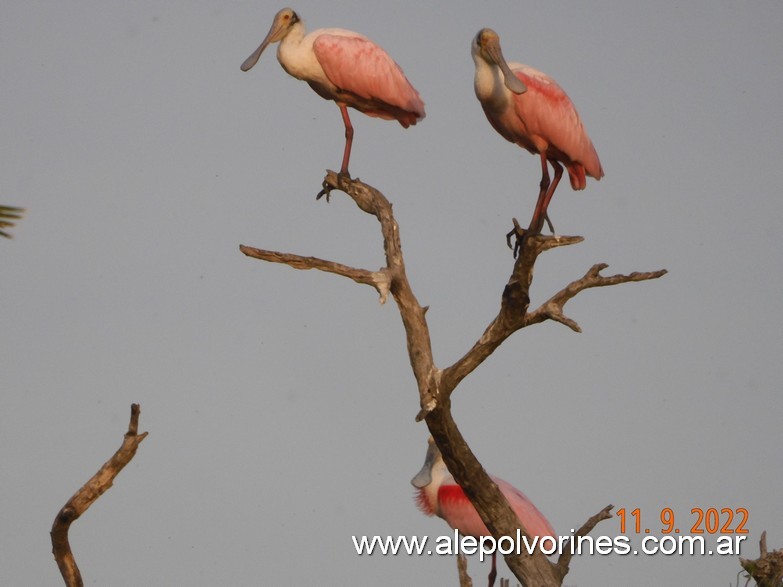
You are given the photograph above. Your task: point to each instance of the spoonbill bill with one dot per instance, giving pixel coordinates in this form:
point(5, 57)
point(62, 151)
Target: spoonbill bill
point(346, 67)
point(528, 108)
point(438, 494)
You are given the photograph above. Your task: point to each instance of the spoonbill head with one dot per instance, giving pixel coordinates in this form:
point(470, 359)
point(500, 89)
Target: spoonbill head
point(527, 107)
point(439, 494)
point(345, 67)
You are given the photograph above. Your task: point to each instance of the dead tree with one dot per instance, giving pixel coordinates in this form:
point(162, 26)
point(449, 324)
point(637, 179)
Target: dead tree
point(87, 495)
point(436, 385)
point(767, 569)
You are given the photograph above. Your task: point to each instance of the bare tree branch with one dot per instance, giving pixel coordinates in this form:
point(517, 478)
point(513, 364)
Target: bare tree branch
point(565, 557)
point(435, 385)
point(87, 495)
point(462, 569)
point(377, 279)
point(767, 570)
point(514, 313)
point(372, 201)
point(553, 308)
point(533, 570)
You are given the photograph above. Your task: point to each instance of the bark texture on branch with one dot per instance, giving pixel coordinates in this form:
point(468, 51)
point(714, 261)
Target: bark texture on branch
point(436, 385)
point(462, 569)
point(767, 570)
point(87, 495)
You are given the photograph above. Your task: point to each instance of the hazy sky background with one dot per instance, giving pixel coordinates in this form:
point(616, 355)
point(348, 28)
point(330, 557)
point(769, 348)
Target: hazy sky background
point(280, 404)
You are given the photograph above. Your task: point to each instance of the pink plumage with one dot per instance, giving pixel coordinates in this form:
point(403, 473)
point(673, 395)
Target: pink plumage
point(544, 120)
point(459, 513)
point(439, 495)
point(345, 67)
point(378, 85)
point(529, 108)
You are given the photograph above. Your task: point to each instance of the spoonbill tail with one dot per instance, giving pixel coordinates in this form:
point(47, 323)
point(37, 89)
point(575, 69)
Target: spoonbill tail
point(345, 67)
point(528, 108)
point(440, 495)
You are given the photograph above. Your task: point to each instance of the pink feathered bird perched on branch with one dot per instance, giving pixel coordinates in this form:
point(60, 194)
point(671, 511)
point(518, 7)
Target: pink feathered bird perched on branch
point(438, 494)
point(345, 67)
point(528, 108)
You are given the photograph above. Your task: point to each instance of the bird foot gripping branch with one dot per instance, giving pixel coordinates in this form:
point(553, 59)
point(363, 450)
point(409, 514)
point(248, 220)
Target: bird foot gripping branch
point(521, 234)
point(365, 196)
point(342, 179)
point(326, 190)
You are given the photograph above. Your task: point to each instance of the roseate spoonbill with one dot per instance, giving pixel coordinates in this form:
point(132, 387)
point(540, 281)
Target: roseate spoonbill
point(440, 495)
point(528, 108)
point(345, 67)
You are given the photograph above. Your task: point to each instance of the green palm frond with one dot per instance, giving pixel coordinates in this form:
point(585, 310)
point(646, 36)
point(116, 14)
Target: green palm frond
point(7, 214)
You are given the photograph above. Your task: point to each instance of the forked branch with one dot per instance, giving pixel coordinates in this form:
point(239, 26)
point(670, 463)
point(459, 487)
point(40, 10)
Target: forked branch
point(515, 301)
point(552, 309)
point(391, 278)
point(435, 385)
point(87, 495)
point(565, 557)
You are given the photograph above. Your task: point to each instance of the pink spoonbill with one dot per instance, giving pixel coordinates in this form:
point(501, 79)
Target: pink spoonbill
point(528, 108)
point(438, 494)
point(346, 67)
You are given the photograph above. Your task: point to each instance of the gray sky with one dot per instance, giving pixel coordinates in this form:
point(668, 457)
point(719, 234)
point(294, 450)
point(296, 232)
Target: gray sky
point(280, 404)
